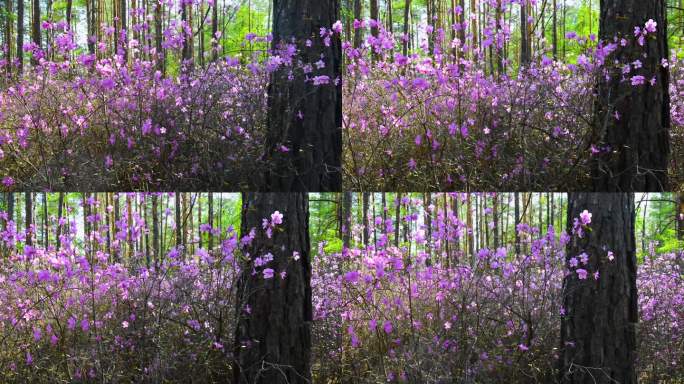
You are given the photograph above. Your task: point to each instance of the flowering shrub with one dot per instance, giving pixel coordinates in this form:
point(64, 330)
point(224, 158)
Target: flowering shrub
point(82, 314)
point(421, 313)
point(448, 121)
point(79, 121)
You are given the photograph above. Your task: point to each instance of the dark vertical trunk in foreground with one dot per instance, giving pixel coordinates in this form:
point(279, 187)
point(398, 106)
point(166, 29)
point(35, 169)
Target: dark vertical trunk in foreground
point(638, 141)
point(303, 117)
point(598, 342)
point(273, 336)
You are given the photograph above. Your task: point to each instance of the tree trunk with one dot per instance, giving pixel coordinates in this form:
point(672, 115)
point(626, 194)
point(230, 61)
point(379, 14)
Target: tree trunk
point(680, 216)
point(397, 219)
point(516, 221)
point(178, 221)
point(358, 32)
point(158, 35)
point(35, 28)
point(8, 35)
point(407, 9)
point(598, 342)
point(210, 221)
point(124, 32)
point(273, 337)
point(364, 197)
point(28, 217)
point(524, 39)
point(554, 38)
point(346, 219)
point(638, 140)
point(60, 207)
point(46, 226)
point(214, 31)
point(305, 118)
point(20, 34)
point(374, 16)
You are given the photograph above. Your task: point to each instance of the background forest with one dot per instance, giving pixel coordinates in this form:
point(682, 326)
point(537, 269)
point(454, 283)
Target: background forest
point(513, 95)
point(401, 287)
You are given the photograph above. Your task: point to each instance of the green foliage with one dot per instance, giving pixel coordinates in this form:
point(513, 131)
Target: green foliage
point(245, 20)
point(323, 222)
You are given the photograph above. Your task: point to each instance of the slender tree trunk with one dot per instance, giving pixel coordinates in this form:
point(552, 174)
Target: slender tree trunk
point(397, 219)
point(210, 220)
point(680, 216)
point(598, 339)
point(214, 31)
point(60, 207)
point(358, 32)
point(428, 226)
point(124, 32)
point(346, 219)
point(364, 197)
point(28, 217)
point(273, 337)
point(46, 225)
point(303, 117)
point(155, 229)
point(554, 38)
point(633, 121)
point(516, 221)
point(495, 217)
point(178, 221)
point(407, 10)
point(20, 34)
point(8, 35)
point(374, 16)
point(524, 39)
point(35, 28)
point(158, 35)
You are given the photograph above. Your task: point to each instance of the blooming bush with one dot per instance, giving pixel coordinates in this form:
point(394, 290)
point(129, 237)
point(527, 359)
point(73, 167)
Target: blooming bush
point(422, 313)
point(79, 121)
point(84, 313)
point(447, 120)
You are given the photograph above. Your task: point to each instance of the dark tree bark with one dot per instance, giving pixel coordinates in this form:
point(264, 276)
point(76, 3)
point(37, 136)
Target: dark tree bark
point(358, 32)
point(124, 36)
point(69, 6)
point(60, 207)
point(20, 34)
point(638, 141)
point(91, 17)
point(46, 229)
point(364, 216)
point(8, 35)
point(273, 338)
point(210, 221)
point(374, 16)
point(554, 36)
point(35, 27)
point(28, 217)
point(516, 221)
point(680, 216)
point(178, 220)
point(346, 219)
point(214, 30)
point(397, 219)
point(303, 117)
point(161, 60)
point(407, 11)
point(187, 49)
point(155, 228)
point(525, 54)
point(598, 342)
